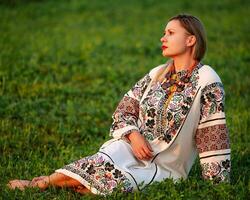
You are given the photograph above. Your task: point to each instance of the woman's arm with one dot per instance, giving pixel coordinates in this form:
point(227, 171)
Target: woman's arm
point(126, 114)
point(212, 138)
point(125, 120)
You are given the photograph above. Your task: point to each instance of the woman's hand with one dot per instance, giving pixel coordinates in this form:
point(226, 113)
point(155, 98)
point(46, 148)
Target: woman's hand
point(140, 146)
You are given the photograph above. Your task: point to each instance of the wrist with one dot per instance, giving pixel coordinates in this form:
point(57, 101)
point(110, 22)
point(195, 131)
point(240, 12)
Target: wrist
point(131, 135)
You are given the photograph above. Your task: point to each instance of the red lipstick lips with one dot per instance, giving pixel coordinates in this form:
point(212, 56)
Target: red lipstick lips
point(163, 47)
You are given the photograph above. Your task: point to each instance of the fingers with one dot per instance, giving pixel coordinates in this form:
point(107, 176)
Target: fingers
point(149, 146)
point(147, 153)
point(141, 147)
point(143, 153)
point(138, 154)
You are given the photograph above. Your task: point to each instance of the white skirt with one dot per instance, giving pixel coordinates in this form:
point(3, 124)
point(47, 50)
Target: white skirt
point(114, 167)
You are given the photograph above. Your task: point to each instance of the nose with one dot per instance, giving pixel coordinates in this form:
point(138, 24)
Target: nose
point(163, 39)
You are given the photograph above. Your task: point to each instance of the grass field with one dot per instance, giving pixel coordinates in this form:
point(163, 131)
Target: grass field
point(65, 65)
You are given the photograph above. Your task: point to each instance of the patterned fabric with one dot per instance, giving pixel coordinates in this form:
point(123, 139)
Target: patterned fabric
point(126, 114)
point(212, 135)
point(139, 88)
point(172, 115)
point(100, 173)
point(212, 138)
point(185, 109)
point(164, 112)
point(216, 168)
point(212, 100)
point(149, 108)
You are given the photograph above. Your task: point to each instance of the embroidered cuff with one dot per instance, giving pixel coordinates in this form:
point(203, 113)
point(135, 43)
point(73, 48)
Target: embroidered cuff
point(216, 165)
point(120, 133)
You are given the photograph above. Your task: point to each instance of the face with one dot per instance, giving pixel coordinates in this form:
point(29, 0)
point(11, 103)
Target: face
point(175, 40)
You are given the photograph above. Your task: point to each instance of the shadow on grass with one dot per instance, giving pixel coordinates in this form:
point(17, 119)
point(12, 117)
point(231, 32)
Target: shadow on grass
point(13, 3)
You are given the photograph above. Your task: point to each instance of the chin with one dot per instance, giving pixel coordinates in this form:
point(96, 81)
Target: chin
point(165, 55)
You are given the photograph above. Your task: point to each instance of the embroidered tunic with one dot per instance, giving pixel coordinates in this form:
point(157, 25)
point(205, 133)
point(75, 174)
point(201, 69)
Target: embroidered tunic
point(179, 126)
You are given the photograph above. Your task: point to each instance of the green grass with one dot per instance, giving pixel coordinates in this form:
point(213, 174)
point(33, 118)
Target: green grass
point(65, 65)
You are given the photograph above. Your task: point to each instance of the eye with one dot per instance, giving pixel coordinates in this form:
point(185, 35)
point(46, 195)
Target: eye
point(170, 32)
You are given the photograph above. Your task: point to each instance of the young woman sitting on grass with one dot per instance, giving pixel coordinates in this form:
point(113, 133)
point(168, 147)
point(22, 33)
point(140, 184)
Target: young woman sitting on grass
point(171, 115)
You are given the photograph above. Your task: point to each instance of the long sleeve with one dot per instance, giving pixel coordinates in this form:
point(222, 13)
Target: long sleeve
point(212, 139)
point(127, 112)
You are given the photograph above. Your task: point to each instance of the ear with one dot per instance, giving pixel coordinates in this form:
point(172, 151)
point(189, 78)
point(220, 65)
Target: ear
point(191, 40)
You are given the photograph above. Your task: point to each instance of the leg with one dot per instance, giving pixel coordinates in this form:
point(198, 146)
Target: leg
point(82, 190)
point(55, 179)
point(20, 184)
point(43, 182)
point(61, 180)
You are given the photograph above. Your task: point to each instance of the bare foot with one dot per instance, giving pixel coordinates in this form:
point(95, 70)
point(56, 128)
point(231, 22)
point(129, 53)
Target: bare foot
point(39, 178)
point(42, 182)
point(19, 184)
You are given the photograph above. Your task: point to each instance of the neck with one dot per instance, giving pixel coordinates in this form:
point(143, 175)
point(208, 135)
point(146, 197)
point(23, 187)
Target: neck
point(184, 63)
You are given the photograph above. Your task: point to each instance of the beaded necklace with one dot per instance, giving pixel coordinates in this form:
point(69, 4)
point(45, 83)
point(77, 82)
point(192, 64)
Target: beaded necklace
point(175, 81)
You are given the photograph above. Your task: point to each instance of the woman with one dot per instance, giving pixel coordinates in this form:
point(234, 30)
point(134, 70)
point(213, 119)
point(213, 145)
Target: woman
point(174, 113)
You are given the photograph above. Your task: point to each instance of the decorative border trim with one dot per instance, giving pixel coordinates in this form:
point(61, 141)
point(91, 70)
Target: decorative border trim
point(156, 169)
point(122, 170)
point(212, 120)
point(183, 122)
point(222, 154)
point(213, 152)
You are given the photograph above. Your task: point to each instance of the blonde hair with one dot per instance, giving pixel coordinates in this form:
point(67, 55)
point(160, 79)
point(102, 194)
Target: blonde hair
point(194, 27)
point(159, 77)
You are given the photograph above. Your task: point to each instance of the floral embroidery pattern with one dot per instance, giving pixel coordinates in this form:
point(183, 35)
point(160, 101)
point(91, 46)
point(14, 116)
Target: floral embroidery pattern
point(178, 80)
point(101, 174)
point(170, 117)
point(139, 88)
point(212, 100)
point(212, 138)
point(148, 110)
point(217, 171)
point(126, 113)
point(161, 119)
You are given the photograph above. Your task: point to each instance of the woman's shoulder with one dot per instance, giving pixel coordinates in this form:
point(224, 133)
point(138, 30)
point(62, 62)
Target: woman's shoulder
point(153, 71)
point(208, 75)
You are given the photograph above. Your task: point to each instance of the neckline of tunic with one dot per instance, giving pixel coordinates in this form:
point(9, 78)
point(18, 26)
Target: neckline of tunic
point(180, 78)
point(184, 72)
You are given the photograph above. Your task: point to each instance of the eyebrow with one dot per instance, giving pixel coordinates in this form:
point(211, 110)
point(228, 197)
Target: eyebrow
point(170, 29)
